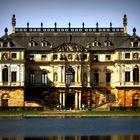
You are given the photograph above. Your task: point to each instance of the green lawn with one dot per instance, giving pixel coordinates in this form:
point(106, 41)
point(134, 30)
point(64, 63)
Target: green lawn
point(13, 112)
point(111, 112)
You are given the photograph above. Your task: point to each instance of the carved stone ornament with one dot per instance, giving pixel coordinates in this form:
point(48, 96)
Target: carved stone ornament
point(70, 47)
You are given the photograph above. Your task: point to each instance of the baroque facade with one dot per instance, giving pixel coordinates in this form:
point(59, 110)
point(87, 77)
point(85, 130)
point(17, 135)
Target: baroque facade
point(70, 67)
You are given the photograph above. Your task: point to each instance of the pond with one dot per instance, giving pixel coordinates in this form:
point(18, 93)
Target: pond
point(70, 128)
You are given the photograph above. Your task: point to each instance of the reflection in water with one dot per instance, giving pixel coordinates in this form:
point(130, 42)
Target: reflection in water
point(74, 138)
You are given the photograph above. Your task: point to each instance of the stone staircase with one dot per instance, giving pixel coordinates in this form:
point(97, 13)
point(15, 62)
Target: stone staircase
point(105, 101)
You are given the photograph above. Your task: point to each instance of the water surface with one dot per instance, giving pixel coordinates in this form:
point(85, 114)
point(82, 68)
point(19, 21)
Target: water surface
point(71, 128)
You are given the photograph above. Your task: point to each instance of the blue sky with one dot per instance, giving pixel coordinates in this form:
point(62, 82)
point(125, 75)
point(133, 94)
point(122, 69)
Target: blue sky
point(74, 11)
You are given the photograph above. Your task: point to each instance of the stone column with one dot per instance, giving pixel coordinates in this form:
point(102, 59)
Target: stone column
point(80, 75)
point(80, 100)
point(64, 100)
point(60, 100)
point(123, 74)
point(131, 75)
point(0, 75)
point(63, 75)
point(9, 74)
point(88, 76)
point(76, 75)
point(76, 100)
point(120, 80)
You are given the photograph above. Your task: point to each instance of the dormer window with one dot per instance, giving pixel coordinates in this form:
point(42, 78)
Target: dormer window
point(107, 43)
point(44, 43)
point(32, 43)
point(5, 44)
point(95, 43)
point(135, 44)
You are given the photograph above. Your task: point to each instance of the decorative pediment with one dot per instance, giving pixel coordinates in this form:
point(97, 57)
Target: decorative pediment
point(70, 47)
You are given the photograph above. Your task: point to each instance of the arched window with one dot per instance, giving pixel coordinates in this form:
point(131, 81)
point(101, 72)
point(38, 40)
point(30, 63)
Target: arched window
point(136, 75)
point(55, 77)
point(5, 75)
point(5, 97)
point(70, 75)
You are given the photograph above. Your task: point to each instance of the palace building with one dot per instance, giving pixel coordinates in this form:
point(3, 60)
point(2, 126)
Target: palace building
point(69, 67)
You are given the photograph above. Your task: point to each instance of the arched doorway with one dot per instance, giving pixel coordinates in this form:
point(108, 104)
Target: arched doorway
point(4, 101)
point(136, 100)
point(136, 75)
point(70, 99)
point(5, 75)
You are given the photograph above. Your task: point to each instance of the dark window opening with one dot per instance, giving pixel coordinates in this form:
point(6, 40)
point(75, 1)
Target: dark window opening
point(95, 57)
point(127, 76)
point(135, 44)
point(5, 75)
point(43, 57)
point(14, 76)
point(70, 75)
point(127, 55)
point(5, 44)
point(13, 55)
point(108, 78)
point(108, 57)
point(84, 56)
point(31, 57)
point(96, 79)
point(136, 75)
point(55, 57)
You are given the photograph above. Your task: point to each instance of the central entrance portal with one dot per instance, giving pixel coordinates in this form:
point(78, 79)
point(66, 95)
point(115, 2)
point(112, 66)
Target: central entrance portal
point(70, 98)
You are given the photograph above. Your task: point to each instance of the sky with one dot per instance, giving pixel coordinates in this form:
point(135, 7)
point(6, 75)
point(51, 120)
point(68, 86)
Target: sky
point(74, 11)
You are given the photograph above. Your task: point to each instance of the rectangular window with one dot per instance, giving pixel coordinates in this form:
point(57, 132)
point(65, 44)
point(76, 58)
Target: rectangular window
point(44, 78)
point(108, 78)
point(32, 78)
point(95, 58)
point(13, 55)
point(31, 57)
point(43, 57)
point(127, 76)
point(55, 57)
point(84, 57)
point(14, 76)
point(96, 79)
point(108, 57)
point(127, 55)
